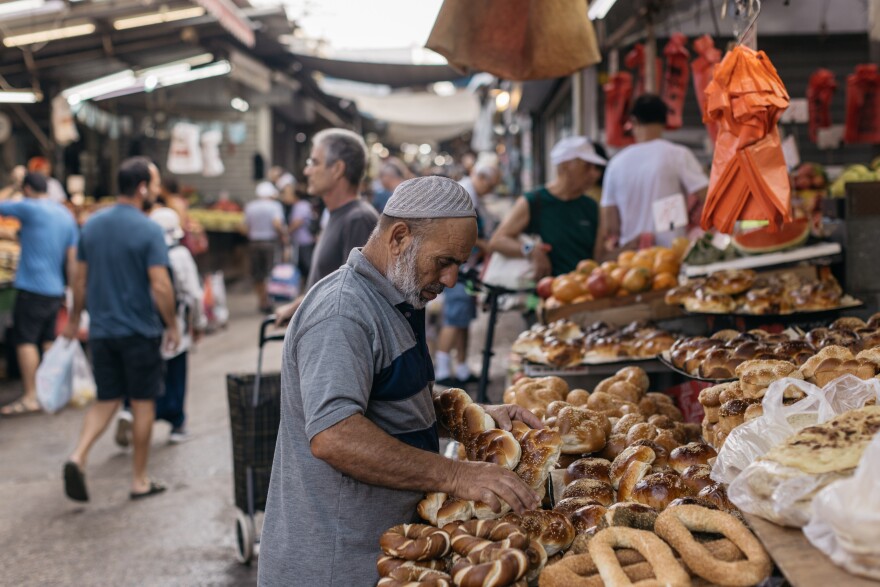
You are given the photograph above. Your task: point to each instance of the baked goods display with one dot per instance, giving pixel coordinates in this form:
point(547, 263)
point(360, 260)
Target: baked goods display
point(637, 502)
point(742, 291)
point(665, 553)
point(728, 405)
point(718, 356)
point(565, 344)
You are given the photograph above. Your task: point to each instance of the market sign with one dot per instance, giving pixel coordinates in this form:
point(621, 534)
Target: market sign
point(232, 19)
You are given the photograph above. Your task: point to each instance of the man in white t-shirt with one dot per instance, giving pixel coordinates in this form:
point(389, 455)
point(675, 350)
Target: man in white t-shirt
point(645, 173)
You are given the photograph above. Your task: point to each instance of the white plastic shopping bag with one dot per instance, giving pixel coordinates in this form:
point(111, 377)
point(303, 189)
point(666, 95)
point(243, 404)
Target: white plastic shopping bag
point(845, 522)
point(84, 387)
point(55, 375)
point(769, 489)
point(756, 437)
point(185, 152)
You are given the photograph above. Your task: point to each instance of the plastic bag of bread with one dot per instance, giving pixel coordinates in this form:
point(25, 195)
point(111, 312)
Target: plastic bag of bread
point(781, 418)
point(755, 437)
point(781, 485)
point(849, 535)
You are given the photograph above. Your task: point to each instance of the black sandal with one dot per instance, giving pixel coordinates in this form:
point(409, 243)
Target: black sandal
point(75, 482)
point(155, 488)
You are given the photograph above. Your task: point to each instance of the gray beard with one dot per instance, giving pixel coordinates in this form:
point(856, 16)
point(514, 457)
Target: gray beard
point(404, 275)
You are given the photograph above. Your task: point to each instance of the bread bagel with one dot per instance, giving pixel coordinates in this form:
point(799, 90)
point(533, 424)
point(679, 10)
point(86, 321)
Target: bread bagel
point(412, 576)
point(415, 542)
point(675, 526)
point(493, 567)
point(476, 535)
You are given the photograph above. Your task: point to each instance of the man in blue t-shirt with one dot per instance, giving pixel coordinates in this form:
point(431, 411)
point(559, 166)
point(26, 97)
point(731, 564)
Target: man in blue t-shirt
point(122, 278)
point(48, 238)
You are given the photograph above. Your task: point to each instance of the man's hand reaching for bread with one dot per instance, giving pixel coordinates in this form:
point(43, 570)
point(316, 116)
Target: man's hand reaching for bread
point(492, 484)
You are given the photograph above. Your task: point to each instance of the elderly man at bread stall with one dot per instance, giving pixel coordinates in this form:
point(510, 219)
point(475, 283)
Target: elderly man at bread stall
point(359, 440)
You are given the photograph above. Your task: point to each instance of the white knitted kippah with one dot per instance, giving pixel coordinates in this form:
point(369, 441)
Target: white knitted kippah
point(430, 197)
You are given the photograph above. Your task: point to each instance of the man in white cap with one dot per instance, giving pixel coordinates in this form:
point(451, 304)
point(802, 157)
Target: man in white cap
point(560, 213)
point(358, 442)
point(265, 227)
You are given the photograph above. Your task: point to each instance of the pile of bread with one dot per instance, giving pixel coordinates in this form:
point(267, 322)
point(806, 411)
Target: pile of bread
point(729, 405)
point(742, 291)
point(628, 457)
point(564, 343)
point(718, 356)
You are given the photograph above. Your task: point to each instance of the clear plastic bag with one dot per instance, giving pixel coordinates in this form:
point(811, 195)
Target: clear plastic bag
point(55, 375)
point(84, 387)
point(753, 439)
point(851, 535)
point(767, 489)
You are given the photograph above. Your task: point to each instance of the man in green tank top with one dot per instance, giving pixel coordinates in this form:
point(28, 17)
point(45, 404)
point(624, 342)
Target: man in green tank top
point(566, 219)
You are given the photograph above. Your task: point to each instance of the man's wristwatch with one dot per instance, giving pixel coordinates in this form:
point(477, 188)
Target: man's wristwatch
point(527, 248)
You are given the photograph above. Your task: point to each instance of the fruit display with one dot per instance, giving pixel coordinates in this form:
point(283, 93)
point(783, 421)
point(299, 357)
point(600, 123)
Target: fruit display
point(217, 220)
point(631, 273)
point(704, 251)
point(10, 251)
point(763, 240)
point(854, 174)
point(736, 291)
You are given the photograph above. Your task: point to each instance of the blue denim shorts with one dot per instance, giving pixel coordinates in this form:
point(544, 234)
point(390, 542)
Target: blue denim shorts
point(459, 308)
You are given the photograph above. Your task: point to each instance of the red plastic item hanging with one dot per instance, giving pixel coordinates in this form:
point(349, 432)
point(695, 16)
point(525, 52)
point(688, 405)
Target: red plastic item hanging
point(820, 90)
point(703, 67)
point(635, 60)
point(618, 100)
point(675, 78)
point(863, 105)
point(749, 179)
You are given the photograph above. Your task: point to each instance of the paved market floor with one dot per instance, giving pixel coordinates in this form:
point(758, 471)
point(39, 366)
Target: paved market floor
point(183, 537)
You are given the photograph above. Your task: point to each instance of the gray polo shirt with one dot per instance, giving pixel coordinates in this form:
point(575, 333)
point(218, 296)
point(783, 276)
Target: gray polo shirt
point(353, 347)
point(349, 227)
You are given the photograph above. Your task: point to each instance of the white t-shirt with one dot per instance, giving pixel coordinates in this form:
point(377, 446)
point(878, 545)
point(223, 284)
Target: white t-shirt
point(644, 173)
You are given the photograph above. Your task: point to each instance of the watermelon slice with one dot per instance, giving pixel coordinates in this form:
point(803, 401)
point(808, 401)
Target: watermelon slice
point(762, 240)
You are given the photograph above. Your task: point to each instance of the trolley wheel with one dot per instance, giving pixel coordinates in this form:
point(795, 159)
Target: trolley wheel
point(245, 535)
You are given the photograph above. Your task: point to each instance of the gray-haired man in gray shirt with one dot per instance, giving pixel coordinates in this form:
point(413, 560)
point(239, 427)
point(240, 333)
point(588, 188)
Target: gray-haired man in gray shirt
point(358, 442)
point(334, 171)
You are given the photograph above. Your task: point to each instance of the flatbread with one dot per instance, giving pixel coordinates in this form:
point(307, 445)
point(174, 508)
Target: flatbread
point(836, 445)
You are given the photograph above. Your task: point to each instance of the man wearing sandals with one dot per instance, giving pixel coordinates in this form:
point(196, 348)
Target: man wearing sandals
point(122, 279)
point(48, 238)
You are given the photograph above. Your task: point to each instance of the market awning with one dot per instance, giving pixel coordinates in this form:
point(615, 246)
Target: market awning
point(421, 117)
point(396, 75)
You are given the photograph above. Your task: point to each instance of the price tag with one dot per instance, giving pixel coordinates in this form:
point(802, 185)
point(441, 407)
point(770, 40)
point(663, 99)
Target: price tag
point(670, 213)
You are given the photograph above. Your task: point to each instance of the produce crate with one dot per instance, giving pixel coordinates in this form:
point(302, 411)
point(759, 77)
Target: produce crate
point(616, 311)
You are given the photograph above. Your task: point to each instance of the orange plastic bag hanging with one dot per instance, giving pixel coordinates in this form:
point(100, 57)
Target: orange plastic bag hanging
point(618, 100)
point(702, 69)
point(749, 179)
point(675, 78)
point(863, 105)
point(820, 90)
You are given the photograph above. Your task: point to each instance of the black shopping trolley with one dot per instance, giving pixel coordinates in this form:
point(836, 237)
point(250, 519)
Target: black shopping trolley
point(254, 414)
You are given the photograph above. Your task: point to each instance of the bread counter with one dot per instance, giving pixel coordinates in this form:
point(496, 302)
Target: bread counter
point(799, 561)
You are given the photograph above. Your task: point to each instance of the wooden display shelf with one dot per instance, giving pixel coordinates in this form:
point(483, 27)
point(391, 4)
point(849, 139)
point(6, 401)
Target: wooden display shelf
point(799, 561)
point(617, 311)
